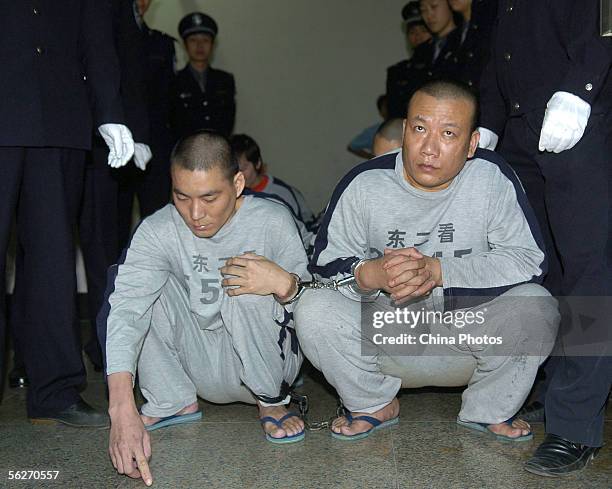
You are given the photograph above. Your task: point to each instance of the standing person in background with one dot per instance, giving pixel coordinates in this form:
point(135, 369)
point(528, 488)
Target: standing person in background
point(54, 56)
point(472, 40)
point(398, 75)
point(248, 154)
point(152, 187)
point(429, 57)
point(547, 90)
point(201, 96)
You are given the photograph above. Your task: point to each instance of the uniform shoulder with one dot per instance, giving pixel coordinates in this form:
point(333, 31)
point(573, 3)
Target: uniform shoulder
point(400, 66)
point(160, 36)
point(221, 75)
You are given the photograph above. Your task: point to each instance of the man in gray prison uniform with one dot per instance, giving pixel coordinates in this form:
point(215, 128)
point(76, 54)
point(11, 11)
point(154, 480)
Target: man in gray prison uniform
point(196, 310)
point(426, 225)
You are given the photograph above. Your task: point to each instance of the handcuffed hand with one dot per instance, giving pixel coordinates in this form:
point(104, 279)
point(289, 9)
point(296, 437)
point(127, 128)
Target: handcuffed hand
point(254, 274)
point(410, 273)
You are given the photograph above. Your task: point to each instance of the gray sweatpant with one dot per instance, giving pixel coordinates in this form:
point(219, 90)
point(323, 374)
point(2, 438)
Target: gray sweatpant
point(329, 329)
point(249, 354)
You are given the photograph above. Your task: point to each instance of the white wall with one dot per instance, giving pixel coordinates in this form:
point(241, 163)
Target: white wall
point(307, 76)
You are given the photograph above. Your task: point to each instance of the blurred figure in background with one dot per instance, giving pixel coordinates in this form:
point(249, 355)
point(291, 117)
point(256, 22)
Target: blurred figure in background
point(152, 187)
point(389, 137)
point(99, 217)
point(248, 154)
point(471, 41)
point(362, 144)
point(398, 75)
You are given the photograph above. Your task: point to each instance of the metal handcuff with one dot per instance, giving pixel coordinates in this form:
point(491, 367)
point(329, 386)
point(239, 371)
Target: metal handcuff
point(319, 285)
point(302, 400)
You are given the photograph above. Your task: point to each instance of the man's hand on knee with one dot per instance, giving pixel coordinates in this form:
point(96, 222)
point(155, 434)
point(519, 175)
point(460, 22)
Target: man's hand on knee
point(130, 445)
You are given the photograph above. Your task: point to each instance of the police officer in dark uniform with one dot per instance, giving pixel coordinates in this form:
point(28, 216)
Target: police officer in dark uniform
point(202, 97)
point(61, 79)
point(429, 57)
point(152, 187)
point(99, 217)
point(472, 40)
point(547, 92)
point(398, 75)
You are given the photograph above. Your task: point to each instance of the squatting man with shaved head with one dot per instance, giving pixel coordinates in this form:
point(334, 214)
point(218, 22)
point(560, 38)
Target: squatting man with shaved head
point(438, 226)
point(200, 306)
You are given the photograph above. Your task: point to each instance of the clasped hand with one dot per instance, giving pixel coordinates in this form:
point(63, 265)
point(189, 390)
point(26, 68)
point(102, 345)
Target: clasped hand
point(403, 273)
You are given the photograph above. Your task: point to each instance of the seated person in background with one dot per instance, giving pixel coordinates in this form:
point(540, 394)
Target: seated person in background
point(444, 228)
point(388, 137)
point(196, 310)
point(247, 153)
point(362, 144)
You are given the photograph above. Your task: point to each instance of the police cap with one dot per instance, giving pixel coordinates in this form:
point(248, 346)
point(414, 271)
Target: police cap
point(411, 13)
point(197, 23)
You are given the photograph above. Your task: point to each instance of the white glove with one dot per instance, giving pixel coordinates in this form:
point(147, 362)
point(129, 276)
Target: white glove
point(142, 155)
point(564, 123)
point(120, 143)
point(488, 139)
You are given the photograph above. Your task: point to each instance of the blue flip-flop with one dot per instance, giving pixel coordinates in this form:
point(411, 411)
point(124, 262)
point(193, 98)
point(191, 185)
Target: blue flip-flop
point(174, 420)
point(376, 425)
point(279, 423)
point(484, 428)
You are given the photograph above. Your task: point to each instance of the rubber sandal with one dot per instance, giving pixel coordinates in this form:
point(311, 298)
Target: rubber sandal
point(279, 423)
point(175, 420)
point(376, 425)
point(484, 428)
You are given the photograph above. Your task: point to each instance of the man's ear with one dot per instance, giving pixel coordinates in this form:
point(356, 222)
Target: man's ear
point(474, 139)
point(239, 183)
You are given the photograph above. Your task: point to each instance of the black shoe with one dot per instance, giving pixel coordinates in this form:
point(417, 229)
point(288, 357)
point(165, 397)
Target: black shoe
point(79, 415)
point(557, 456)
point(18, 378)
point(532, 413)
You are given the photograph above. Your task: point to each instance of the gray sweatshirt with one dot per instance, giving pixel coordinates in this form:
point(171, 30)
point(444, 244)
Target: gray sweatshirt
point(163, 245)
point(481, 227)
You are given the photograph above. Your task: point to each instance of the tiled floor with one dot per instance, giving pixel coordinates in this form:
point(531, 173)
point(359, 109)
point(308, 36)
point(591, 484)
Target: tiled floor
point(227, 449)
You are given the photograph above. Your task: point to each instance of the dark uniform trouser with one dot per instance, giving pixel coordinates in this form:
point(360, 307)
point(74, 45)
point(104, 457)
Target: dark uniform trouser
point(98, 233)
point(44, 186)
point(519, 147)
point(151, 186)
point(577, 196)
